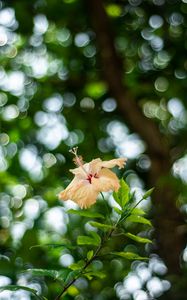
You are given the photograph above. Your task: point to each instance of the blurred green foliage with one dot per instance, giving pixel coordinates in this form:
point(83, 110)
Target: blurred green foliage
point(54, 96)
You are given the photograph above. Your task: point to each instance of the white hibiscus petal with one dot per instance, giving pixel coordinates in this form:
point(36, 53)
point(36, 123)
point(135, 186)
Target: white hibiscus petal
point(106, 181)
point(81, 192)
point(120, 162)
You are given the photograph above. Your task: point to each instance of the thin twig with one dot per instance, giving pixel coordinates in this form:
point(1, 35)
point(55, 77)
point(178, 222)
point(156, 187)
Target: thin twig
point(105, 239)
point(81, 272)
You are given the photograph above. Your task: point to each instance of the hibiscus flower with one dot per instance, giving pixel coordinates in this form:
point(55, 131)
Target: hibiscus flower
point(91, 179)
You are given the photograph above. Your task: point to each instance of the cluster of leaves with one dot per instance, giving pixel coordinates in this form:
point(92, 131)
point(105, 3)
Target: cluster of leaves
point(96, 245)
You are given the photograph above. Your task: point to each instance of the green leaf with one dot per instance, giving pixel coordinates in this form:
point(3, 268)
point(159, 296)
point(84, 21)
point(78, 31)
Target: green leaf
point(74, 267)
point(86, 213)
point(138, 219)
point(15, 288)
point(129, 255)
point(119, 211)
point(148, 193)
point(100, 225)
point(122, 196)
point(137, 238)
point(61, 275)
point(95, 236)
point(137, 211)
point(91, 274)
point(116, 198)
point(64, 245)
point(77, 266)
point(90, 254)
point(88, 276)
point(72, 275)
point(87, 240)
point(124, 192)
point(44, 272)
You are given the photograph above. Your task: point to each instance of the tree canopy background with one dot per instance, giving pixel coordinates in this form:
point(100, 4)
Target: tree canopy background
point(110, 77)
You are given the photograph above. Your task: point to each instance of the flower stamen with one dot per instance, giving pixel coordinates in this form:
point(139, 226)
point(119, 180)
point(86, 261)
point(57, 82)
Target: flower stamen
point(78, 160)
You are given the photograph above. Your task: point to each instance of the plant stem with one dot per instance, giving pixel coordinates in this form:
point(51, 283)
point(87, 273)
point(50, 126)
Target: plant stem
point(105, 239)
point(130, 211)
point(88, 262)
point(81, 272)
point(65, 288)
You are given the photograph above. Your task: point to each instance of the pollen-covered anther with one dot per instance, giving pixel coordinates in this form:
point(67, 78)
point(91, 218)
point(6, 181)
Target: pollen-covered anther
point(74, 150)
